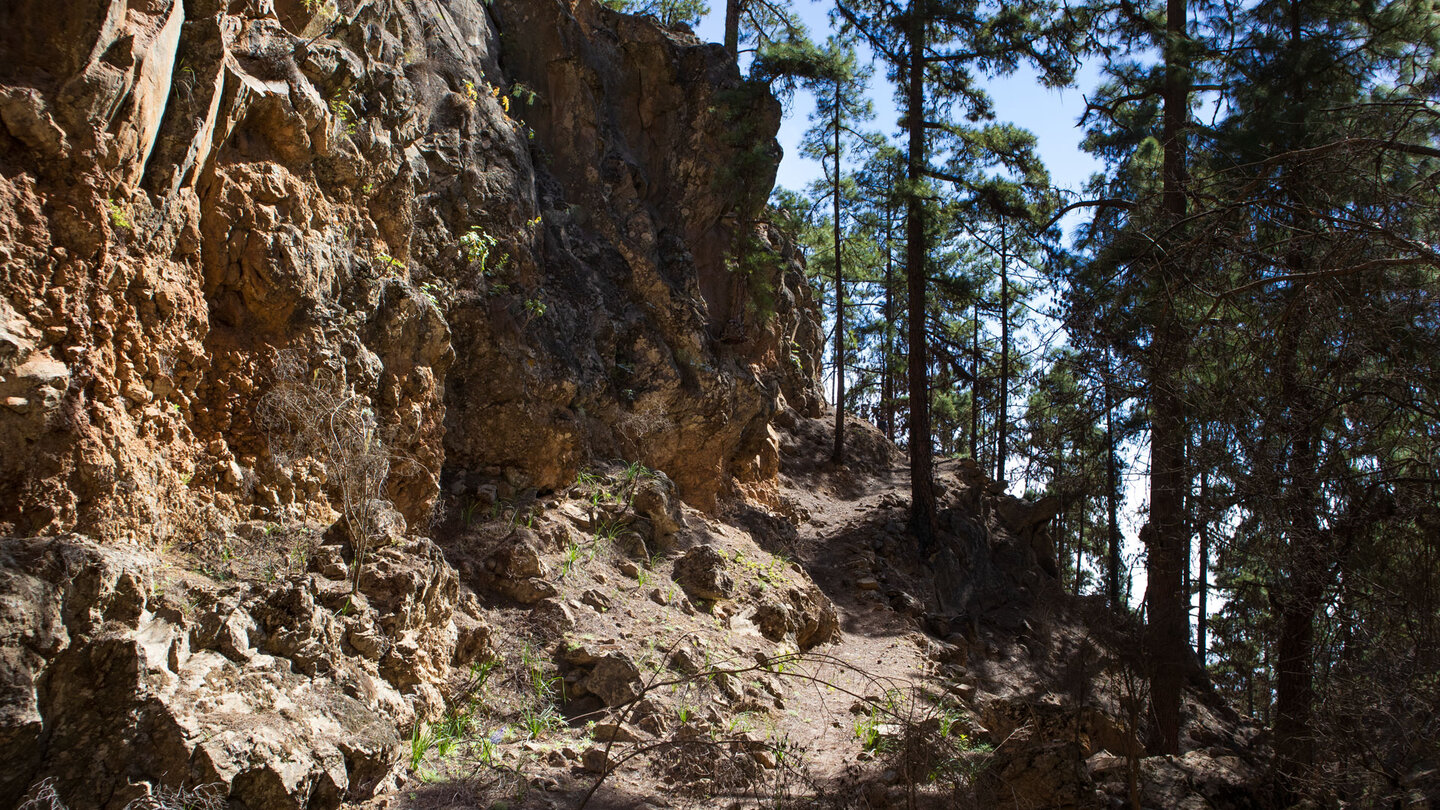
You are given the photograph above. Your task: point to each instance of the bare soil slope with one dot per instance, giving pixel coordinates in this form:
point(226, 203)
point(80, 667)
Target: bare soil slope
point(800, 656)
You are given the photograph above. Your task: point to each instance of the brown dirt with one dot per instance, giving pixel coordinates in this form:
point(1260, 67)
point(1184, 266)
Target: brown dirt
point(1010, 703)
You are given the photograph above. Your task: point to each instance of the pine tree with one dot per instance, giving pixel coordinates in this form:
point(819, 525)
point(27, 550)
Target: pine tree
point(931, 48)
point(838, 82)
point(1324, 281)
point(1306, 211)
point(761, 24)
point(878, 184)
point(1145, 115)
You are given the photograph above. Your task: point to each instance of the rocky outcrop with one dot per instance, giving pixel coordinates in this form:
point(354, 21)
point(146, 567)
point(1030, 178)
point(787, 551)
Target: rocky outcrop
point(509, 238)
point(125, 677)
point(702, 572)
point(518, 262)
point(667, 314)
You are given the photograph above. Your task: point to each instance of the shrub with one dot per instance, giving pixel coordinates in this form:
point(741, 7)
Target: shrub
point(317, 414)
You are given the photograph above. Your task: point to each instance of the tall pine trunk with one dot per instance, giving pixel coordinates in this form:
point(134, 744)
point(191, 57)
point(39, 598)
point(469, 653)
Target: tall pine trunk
point(838, 456)
point(1002, 424)
point(887, 373)
point(1305, 564)
point(922, 488)
point(1295, 690)
point(1112, 495)
point(1167, 630)
point(975, 383)
point(732, 27)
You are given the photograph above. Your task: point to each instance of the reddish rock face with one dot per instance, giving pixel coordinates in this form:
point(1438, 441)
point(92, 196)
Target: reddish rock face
point(497, 266)
point(516, 268)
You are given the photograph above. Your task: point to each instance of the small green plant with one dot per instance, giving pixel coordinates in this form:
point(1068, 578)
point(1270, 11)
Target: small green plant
point(869, 727)
point(539, 723)
point(523, 92)
point(570, 559)
point(480, 672)
point(779, 665)
point(634, 473)
point(389, 263)
point(867, 730)
point(544, 686)
point(477, 247)
point(118, 217)
point(741, 723)
point(490, 747)
point(432, 292)
point(467, 512)
point(451, 731)
point(422, 739)
point(610, 529)
point(341, 109)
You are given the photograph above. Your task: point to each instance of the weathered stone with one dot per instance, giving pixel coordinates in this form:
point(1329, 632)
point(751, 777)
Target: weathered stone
point(553, 613)
point(701, 571)
point(907, 605)
point(614, 679)
point(136, 690)
point(595, 760)
point(613, 732)
point(517, 558)
point(655, 499)
point(596, 599)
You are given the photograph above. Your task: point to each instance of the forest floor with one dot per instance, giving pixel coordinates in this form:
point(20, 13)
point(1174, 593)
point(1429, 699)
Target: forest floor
point(628, 689)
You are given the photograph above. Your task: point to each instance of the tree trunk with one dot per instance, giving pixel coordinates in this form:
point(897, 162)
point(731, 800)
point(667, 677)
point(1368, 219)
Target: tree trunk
point(922, 489)
point(732, 27)
point(1167, 626)
point(1112, 496)
point(1202, 573)
point(975, 384)
point(1003, 416)
point(1295, 691)
point(887, 375)
point(838, 456)
point(1305, 565)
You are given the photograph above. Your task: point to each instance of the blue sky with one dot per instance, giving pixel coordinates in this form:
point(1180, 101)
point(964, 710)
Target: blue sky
point(1020, 99)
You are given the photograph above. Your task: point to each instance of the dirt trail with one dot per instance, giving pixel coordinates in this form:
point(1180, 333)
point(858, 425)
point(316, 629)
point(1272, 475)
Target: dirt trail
point(822, 725)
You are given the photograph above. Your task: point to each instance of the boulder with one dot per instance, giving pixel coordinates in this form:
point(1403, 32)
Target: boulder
point(614, 679)
point(702, 572)
point(138, 690)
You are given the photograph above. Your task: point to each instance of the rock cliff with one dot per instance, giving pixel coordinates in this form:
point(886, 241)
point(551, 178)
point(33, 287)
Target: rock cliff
point(499, 240)
point(520, 256)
